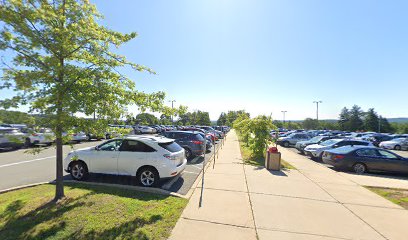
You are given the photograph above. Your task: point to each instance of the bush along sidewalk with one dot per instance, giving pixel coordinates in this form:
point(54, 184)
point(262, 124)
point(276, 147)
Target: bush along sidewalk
point(254, 138)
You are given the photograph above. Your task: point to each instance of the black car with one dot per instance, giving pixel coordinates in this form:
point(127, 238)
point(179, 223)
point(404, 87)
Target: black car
point(364, 159)
point(377, 139)
point(192, 142)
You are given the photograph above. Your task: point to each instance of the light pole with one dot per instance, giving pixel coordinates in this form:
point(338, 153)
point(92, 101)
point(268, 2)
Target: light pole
point(317, 109)
point(284, 112)
point(379, 124)
point(172, 101)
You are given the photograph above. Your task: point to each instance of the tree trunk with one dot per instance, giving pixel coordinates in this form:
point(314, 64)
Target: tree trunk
point(59, 189)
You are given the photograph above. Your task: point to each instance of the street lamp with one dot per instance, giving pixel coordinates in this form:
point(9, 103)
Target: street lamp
point(317, 109)
point(172, 101)
point(284, 112)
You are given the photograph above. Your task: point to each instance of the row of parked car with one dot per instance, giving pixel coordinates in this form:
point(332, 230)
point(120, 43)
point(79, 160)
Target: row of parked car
point(359, 152)
point(149, 158)
point(14, 136)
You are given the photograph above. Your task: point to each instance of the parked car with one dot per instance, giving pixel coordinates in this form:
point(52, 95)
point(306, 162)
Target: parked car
point(364, 159)
point(292, 139)
point(376, 139)
point(316, 150)
point(11, 138)
point(76, 136)
point(397, 144)
point(42, 136)
point(192, 142)
point(147, 130)
point(148, 158)
point(300, 146)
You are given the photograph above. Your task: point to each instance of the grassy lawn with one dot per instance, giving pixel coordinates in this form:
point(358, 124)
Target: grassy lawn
point(398, 196)
point(250, 160)
point(87, 212)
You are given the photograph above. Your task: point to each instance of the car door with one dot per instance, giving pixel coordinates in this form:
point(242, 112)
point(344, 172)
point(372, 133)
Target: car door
point(392, 162)
point(133, 155)
point(104, 159)
point(404, 144)
point(370, 157)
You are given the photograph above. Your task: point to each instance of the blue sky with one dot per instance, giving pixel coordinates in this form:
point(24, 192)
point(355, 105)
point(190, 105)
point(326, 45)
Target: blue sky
point(267, 56)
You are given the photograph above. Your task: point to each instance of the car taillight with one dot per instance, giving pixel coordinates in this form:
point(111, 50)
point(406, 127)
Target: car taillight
point(170, 157)
point(34, 134)
point(196, 142)
point(338, 157)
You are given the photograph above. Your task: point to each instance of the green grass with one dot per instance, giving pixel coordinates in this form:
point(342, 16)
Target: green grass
point(257, 161)
point(87, 212)
point(398, 196)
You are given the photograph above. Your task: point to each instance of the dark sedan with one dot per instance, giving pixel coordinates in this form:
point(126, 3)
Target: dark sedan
point(364, 159)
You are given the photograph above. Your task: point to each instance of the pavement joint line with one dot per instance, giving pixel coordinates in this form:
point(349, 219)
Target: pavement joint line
point(303, 233)
point(218, 223)
point(28, 161)
point(345, 205)
point(249, 197)
point(225, 190)
point(297, 197)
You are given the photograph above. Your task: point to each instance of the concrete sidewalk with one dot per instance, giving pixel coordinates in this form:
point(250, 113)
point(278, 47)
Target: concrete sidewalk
point(248, 202)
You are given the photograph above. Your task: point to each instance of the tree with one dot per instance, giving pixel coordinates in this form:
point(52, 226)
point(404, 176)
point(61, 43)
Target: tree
point(385, 126)
point(146, 119)
point(344, 119)
point(356, 122)
point(62, 64)
point(310, 123)
point(16, 117)
point(222, 120)
point(371, 120)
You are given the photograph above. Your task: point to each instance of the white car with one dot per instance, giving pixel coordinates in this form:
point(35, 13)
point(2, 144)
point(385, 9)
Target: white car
point(148, 158)
point(316, 150)
point(396, 144)
point(76, 137)
point(147, 129)
point(43, 136)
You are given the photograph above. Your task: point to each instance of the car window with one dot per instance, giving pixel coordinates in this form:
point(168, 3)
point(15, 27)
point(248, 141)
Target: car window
point(171, 146)
point(387, 154)
point(112, 145)
point(135, 146)
point(367, 152)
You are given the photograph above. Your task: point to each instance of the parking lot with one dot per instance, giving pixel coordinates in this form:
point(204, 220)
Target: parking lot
point(387, 180)
point(18, 168)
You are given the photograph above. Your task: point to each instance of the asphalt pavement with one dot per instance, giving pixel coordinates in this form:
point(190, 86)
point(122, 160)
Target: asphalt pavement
point(19, 167)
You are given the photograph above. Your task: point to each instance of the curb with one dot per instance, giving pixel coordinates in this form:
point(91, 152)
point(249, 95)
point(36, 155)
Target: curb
point(22, 187)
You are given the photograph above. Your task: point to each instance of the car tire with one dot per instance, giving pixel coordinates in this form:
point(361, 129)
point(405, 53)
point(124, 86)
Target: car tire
point(27, 142)
point(359, 168)
point(285, 144)
point(188, 153)
point(79, 171)
point(148, 177)
point(88, 138)
point(107, 136)
point(397, 147)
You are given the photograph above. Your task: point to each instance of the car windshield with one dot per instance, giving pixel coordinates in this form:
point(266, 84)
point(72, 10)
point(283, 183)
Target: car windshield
point(330, 142)
point(291, 135)
point(315, 139)
point(171, 146)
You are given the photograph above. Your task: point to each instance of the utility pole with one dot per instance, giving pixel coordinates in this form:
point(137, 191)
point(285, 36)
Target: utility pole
point(172, 101)
point(284, 112)
point(317, 109)
point(379, 124)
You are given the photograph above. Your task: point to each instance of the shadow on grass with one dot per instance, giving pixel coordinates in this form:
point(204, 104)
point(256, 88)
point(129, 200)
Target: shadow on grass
point(47, 220)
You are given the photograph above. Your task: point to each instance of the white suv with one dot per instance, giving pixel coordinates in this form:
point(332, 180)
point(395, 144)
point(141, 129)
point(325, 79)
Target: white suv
point(146, 157)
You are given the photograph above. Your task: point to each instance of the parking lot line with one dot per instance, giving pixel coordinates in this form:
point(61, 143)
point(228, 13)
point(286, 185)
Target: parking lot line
point(34, 160)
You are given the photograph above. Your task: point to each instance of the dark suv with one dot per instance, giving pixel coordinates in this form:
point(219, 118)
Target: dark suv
point(192, 142)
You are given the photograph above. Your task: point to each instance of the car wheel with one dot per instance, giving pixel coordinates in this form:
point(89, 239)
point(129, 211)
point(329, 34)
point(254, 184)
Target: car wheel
point(359, 168)
point(397, 147)
point(27, 142)
point(148, 177)
point(88, 138)
point(107, 136)
point(285, 144)
point(79, 171)
point(188, 153)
